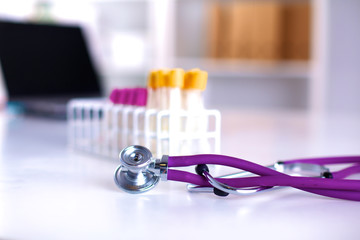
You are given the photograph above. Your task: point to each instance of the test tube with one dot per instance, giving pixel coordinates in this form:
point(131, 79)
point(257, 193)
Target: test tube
point(194, 85)
point(113, 126)
point(162, 91)
point(155, 96)
point(119, 120)
point(128, 117)
point(174, 85)
point(152, 90)
point(140, 101)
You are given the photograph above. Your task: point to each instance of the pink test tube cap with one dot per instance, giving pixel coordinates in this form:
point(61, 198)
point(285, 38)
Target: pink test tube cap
point(114, 96)
point(133, 96)
point(141, 97)
point(125, 99)
point(122, 96)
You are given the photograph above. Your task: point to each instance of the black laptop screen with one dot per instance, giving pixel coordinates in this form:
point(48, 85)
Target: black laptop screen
point(46, 60)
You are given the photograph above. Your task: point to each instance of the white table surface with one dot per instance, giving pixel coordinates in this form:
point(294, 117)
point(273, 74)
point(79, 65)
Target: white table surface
point(48, 191)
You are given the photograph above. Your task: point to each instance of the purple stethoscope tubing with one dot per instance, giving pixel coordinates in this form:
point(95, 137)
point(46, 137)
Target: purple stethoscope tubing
point(337, 187)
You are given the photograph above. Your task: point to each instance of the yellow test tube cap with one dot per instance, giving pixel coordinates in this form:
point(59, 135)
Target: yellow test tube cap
point(161, 77)
point(175, 78)
point(152, 79)
point(195, 79)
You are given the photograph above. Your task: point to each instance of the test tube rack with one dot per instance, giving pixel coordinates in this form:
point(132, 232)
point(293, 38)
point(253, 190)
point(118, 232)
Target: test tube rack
point(102, 128)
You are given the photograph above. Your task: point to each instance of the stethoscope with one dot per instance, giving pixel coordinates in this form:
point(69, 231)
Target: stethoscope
point(139, 172)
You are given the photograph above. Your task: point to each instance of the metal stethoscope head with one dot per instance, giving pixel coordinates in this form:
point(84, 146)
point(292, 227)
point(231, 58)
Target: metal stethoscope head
point(139, 172)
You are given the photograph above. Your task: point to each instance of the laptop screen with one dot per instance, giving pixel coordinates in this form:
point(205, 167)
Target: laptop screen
point(40, 60)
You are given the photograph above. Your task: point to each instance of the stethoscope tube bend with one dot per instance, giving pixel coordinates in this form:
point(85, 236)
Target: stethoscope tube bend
point(139, 172)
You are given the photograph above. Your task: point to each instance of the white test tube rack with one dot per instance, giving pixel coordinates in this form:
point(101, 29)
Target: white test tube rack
point(102, 128)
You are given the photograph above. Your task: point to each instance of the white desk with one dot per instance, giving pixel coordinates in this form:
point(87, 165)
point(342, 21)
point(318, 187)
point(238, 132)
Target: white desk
point(49, 192)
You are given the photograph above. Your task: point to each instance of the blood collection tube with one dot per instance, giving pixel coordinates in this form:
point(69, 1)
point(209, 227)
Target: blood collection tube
point(156, 101)
point(194, 84)
point(113, 120)
point(137, 101)
point(174, 85)
point(152, 90)
point(161, 91)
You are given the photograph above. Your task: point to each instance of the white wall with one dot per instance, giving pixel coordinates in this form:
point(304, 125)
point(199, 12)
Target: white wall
point(336, 73)
point(344, 56)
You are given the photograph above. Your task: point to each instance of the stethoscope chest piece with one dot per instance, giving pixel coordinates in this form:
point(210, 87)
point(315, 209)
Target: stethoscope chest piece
point(133, 175)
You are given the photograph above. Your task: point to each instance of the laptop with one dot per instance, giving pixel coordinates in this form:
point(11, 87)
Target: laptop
point(45, 65)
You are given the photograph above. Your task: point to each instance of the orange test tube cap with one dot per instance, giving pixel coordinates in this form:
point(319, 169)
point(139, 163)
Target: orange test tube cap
point(195, 79)
point(152, 79)
point(161, 77)
point(175, 78)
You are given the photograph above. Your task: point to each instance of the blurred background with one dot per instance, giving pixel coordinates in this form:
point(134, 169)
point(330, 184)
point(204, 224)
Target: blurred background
point(263, 54)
